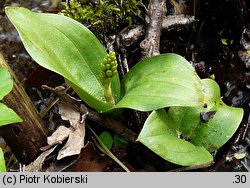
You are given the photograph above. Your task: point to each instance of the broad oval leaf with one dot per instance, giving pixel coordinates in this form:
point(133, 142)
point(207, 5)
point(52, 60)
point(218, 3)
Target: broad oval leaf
point(2, 162)
point(8, 116)
point(162, 139)
point(161, 81)
point(65, 46)
point(6, 83)
point(210, 126)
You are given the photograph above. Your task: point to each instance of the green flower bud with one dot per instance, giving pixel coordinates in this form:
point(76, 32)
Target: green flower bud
point(104, 61)
point(109, 59)
point(109, 73)
point(103, 67)
point(114, 68)
point(113, 63)
point(108, 69)
point(112, 58)
point(112, 54)
point(108, 66)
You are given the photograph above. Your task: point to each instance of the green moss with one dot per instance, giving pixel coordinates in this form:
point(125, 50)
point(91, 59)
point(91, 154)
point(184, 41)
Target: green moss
point(105, 17)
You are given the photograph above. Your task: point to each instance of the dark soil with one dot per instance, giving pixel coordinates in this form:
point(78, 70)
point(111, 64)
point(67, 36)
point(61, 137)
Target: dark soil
point(200, 43)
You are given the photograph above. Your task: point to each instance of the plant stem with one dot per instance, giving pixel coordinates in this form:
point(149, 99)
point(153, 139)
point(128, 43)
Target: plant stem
point(108, 93)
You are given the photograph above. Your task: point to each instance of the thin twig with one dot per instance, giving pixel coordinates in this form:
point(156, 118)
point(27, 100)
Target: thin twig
point(177, 22)
point(44, 112)
point(150, 45)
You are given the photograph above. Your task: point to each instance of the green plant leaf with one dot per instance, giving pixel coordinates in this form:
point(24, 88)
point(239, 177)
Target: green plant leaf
point(107, 139)
point(8, 116)
point(120, 142)
point(210, 126)
point(2, 162)
point(161, 81)
point(6, 83)
point(206, 127)
point(162, 139)
point(68, 48)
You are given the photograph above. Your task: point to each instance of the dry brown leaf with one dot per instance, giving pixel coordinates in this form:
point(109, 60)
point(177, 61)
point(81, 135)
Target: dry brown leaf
point(76, 135)
point(69, 113)
point(37, 165)
point(61, 134)
point(58, 136)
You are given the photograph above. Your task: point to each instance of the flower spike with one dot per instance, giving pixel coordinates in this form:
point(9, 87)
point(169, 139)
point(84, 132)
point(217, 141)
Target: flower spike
point(108, 71)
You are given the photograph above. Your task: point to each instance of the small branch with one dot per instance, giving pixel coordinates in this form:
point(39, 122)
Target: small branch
point(177, 22)
point(150, 45)
point(132, 34)
point(107, 122)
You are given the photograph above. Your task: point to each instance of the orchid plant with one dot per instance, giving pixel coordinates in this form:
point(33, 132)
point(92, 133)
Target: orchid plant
point(196, 122)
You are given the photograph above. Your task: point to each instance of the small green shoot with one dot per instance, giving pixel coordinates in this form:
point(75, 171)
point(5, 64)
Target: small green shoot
point(107, 139)
point(105, 150)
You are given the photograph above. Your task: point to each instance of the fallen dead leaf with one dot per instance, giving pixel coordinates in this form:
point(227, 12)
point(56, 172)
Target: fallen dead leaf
point(37, 165)
point(61, 134)
point(76, 135)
